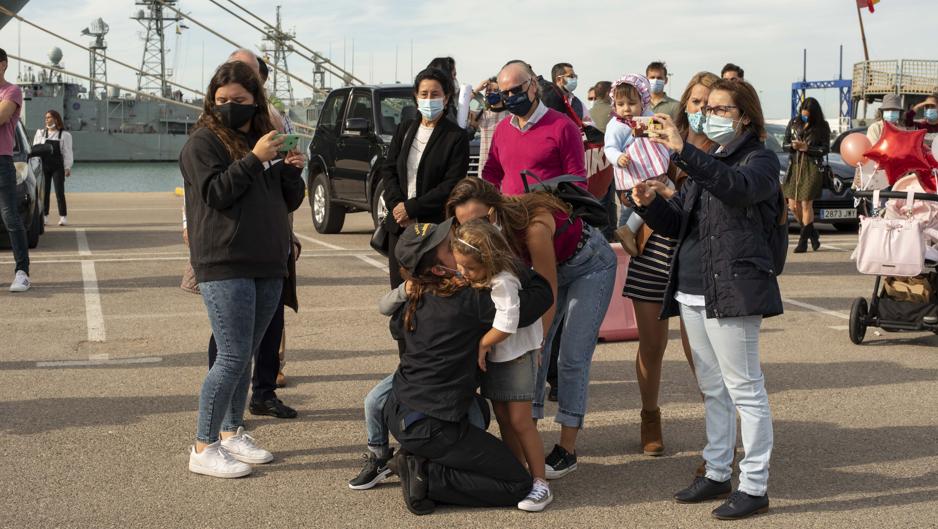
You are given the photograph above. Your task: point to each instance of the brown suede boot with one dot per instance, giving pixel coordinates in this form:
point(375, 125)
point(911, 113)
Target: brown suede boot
point(652, 444)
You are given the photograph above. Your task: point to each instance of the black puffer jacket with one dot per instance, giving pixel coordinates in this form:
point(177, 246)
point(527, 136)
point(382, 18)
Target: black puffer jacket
point(733, 198)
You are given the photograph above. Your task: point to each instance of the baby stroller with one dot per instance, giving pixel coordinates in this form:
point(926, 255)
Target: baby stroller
point(907, 301)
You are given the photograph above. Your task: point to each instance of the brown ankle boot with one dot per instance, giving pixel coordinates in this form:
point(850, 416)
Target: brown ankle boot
point(652, 444)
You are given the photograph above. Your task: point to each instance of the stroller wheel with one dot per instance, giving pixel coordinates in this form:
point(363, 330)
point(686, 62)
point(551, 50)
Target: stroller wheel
point(858, 314)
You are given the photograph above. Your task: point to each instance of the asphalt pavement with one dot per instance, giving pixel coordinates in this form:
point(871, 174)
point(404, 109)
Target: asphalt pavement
point(101, 363)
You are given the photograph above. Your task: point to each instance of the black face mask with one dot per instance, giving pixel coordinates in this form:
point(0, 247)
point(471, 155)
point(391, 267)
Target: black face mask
point(235, 115)
point(519, 104)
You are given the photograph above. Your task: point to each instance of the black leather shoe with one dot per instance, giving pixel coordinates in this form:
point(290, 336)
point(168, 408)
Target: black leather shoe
point(414, 485)
point(273, 407)
point(814, 237)
point(552, 394)
point(741, 505)
point(704, 489)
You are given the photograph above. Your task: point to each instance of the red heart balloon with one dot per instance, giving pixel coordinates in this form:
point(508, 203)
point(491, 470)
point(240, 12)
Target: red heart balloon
point(900, 152)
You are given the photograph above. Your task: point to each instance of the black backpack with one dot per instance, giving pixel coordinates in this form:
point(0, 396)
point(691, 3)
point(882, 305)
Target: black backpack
point(583, 204)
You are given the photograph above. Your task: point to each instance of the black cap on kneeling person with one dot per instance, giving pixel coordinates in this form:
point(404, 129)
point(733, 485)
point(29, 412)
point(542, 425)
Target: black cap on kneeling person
point(419, 239)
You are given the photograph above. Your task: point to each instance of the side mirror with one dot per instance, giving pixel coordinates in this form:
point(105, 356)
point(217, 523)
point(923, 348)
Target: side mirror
point(357, 125)
point(40, 150)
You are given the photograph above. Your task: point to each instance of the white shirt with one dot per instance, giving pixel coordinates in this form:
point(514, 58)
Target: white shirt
point(539, 112)
point(65, 144)
point(690, 300)
point(413, 158)
point(505, 287)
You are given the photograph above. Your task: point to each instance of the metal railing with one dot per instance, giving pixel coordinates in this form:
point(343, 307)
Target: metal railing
point(907, 76)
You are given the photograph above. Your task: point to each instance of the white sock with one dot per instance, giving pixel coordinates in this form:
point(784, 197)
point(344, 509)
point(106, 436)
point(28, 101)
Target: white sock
point(635, 222)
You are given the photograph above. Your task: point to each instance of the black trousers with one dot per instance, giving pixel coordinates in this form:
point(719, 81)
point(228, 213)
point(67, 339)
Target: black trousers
point(267, 361)
point(394, 269)
point(467, 466)
point(54, 175)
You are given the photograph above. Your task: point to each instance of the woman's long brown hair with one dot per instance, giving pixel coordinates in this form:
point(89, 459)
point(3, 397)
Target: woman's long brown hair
point(514, 213)
point(235, 73)
point(706, 79)
point(424, 281)
point(57, 119)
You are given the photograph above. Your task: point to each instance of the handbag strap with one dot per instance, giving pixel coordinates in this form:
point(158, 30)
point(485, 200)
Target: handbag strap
point(876, 198)
point(910, 201)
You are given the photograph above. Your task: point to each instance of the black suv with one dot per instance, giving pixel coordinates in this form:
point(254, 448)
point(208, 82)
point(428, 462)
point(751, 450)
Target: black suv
point(351, 140)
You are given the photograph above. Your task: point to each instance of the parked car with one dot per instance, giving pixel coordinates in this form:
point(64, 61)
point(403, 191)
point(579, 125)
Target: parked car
point(29, 186)
point(836, 205)
point(350, 143)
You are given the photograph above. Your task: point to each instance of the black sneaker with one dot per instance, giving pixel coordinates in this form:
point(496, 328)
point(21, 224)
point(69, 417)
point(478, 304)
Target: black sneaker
point(704, 489)
point(273, 407)
point(552, 394)
point(741, 505)
point(414, 485)
point(375, 471)
point(559, 463)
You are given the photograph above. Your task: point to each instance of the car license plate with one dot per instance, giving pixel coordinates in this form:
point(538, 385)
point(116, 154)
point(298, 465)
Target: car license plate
point(838, 214)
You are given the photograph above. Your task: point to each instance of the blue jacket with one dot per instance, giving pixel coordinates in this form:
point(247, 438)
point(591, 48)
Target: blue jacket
point(733, 196)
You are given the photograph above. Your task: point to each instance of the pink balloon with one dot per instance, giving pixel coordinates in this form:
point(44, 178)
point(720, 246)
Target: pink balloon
point(854, 147)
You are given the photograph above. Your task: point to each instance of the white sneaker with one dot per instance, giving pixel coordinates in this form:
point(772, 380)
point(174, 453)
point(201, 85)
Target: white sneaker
point(45, 220)
point(20, 282)
point(241, 447)
point(215, 461)
point(63, 221)
point(539, 497)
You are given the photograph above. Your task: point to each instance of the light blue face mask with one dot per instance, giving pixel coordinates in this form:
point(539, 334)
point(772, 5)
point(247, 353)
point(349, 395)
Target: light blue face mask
point(430, 108)
point(891, 116)
point(657, 85)
point(696, 121)
point(931, 114)
point(719, 129)
point(570, 83)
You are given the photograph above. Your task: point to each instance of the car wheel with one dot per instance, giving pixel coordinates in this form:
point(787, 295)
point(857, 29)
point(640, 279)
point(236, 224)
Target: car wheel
point(378, 208)
point(327, 217)
point(846, 227)
point(35, 229)
point(858, 314)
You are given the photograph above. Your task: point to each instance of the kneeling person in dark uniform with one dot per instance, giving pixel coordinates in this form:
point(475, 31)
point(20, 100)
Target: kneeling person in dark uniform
point(443, 459)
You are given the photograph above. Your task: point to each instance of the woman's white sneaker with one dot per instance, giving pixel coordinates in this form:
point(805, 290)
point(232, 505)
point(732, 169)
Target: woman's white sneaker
point(539, 497)
point(215, 461)
point(241, 446)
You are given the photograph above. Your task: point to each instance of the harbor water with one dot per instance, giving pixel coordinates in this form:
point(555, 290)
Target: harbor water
point(124, 177)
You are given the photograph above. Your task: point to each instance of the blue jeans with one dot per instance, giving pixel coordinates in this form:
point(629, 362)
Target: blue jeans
point(726, 360)
point(239, 311)
point(10, 214)
point(374, 414)
point(584, 288)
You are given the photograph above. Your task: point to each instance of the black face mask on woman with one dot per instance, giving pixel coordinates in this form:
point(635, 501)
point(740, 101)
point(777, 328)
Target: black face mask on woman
point(235, 115)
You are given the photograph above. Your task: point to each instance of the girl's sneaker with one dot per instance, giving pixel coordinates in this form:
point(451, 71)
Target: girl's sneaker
point(539, 497)
point(215, 461)
point(241, 446)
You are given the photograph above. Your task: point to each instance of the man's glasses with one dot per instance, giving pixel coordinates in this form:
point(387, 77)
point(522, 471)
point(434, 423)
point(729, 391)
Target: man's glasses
point(719, 110)
point(521, 88)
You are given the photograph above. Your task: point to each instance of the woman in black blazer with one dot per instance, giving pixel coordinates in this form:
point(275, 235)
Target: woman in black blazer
point(425, 160)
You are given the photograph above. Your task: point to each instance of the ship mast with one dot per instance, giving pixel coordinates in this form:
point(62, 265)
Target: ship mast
point(279, 45)
point(97, 56)
point(153, 64)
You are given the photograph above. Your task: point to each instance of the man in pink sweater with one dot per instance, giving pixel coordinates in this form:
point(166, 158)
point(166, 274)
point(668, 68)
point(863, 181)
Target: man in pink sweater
point(535, 138)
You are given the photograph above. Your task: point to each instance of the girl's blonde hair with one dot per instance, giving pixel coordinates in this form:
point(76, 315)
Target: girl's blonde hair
point(484, 243)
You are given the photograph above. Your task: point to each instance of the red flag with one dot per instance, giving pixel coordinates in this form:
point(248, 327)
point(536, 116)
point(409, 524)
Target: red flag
point(868, 4)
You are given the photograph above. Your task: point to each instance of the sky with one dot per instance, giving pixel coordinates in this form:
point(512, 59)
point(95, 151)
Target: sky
point(603, 39)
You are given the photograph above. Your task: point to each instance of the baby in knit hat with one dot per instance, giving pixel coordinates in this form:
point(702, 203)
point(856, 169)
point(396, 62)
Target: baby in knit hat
point(635, 158)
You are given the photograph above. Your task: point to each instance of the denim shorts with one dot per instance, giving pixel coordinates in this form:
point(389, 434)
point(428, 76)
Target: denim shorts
point(512, 380)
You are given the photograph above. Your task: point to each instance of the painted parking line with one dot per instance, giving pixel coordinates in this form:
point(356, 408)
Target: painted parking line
point(373, 262)
point(815, 308)
point(100, 360)
point(89, 277)
point(321, 243)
